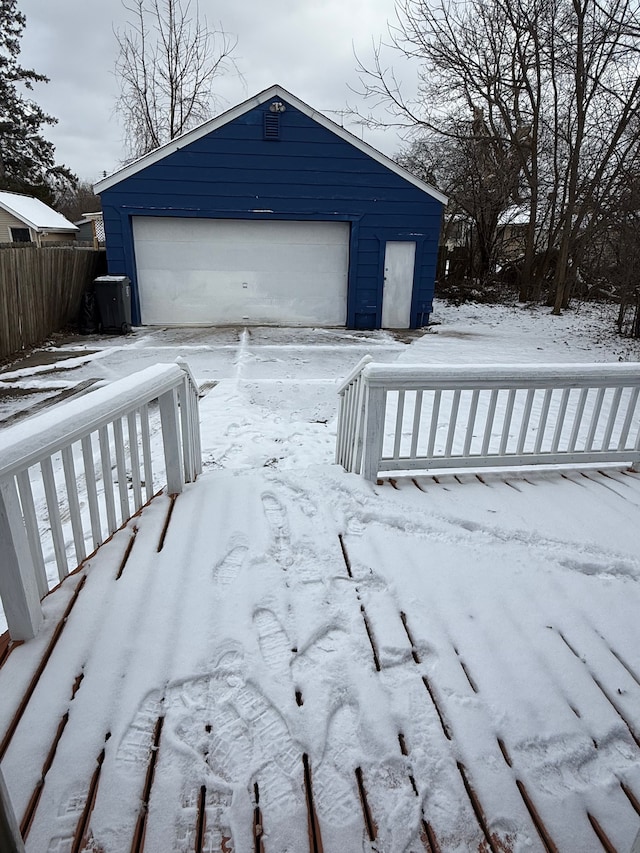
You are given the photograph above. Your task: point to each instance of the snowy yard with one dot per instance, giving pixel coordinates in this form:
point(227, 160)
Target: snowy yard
point(444, 663)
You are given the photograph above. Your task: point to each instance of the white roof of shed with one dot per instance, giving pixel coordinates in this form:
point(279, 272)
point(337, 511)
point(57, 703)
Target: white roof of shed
point(228, 116)
point(34, 213)
point(515, 215)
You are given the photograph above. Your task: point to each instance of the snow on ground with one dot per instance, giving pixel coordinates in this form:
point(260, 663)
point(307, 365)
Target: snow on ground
point(520, 594)
point(271, 393)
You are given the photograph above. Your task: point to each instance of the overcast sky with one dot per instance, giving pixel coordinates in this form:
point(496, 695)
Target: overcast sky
point(307, 47)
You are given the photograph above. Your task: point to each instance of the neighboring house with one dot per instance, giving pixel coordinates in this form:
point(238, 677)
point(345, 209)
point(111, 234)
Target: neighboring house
point(24, 219)
point(512, 233)
point(273, 214)
point(91, 229)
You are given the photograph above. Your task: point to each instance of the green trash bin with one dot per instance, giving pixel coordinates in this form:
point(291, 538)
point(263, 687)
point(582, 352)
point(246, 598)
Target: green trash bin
point(113, 297)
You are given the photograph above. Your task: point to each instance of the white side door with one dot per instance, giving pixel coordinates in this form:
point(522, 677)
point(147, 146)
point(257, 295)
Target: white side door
point(399, 263)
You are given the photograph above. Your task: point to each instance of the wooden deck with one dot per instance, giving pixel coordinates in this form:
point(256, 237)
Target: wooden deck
point(170, 689)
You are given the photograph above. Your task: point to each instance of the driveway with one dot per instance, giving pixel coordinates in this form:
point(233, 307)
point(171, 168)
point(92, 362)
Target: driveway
point(261, 385)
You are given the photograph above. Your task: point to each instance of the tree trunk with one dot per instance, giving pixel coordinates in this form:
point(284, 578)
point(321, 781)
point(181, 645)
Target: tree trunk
point(560, 277)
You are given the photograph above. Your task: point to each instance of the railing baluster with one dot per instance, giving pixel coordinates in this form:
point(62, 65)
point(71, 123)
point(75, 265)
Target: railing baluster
point(121, 469)
point(491, 413)
point(526, 420)
point(189, 397)
point(348, 424)
point(435, 414)
point(31, 526)
point(354, 395)
point(577, 419)
point(542, 421)
point(632, 402)
point(359, 427)
point(343, 430)
point(399, 421)
point(611, 420)
point(92, 491)
point(55, 523)
point(595, 417)
point(185, 425)
point(562, 411)
point(471, 420)
point(74, 504)
point(107, 478)
point(146, 452)
point(453, 422)
point(417, 414)
point(506, 423)
point(195, 423)
point(134, 455)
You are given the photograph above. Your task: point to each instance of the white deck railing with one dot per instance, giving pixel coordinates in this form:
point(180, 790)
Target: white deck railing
point(406, 417)
point(72, 476)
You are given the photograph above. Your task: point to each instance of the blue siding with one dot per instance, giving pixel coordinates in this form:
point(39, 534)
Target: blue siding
point(309, 173)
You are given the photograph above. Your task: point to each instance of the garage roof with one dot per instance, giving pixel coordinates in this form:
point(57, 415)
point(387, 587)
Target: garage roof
point(234, 113)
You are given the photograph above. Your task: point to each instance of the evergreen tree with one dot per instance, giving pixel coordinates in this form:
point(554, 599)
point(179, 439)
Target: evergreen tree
point(27, 159)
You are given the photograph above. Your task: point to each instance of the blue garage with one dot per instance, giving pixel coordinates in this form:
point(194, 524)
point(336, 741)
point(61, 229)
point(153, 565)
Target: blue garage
point(273, 214)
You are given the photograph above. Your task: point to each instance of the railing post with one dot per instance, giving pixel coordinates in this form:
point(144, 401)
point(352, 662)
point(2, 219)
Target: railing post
point(373, 430)
point(18, 584)
point(168, 403)
point(10, 838)
point(190, 414)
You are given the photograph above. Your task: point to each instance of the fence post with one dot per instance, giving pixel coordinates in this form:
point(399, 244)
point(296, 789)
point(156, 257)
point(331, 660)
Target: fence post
point(373, 430)
point(168, 403)
point(10, 838)
point(18, 584)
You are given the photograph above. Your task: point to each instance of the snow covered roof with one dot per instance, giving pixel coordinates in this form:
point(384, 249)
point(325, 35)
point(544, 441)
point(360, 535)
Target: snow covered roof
point(275, 91)
point(34, 213)
point(514, 215)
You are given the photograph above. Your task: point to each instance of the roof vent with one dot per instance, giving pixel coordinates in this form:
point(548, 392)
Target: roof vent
point(272, 125)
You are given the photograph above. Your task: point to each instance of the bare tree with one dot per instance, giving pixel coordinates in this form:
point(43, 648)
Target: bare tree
point(597, 49)
point(74, 202)
point(560, 75)
point(168, 63)
point(479, 171)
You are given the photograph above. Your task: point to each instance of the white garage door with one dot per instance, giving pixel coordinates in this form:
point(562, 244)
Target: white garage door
point(232, 271)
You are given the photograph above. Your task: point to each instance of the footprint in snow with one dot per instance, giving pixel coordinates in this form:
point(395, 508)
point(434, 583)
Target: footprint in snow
point(274, 642)
point(226, 569)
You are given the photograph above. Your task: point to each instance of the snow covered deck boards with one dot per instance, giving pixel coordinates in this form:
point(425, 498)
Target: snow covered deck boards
point(313, 663)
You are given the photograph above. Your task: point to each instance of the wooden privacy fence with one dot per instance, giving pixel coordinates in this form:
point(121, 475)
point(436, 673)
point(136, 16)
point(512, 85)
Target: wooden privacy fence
point(71, 476)
point(41, 291)
point(406, 417)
